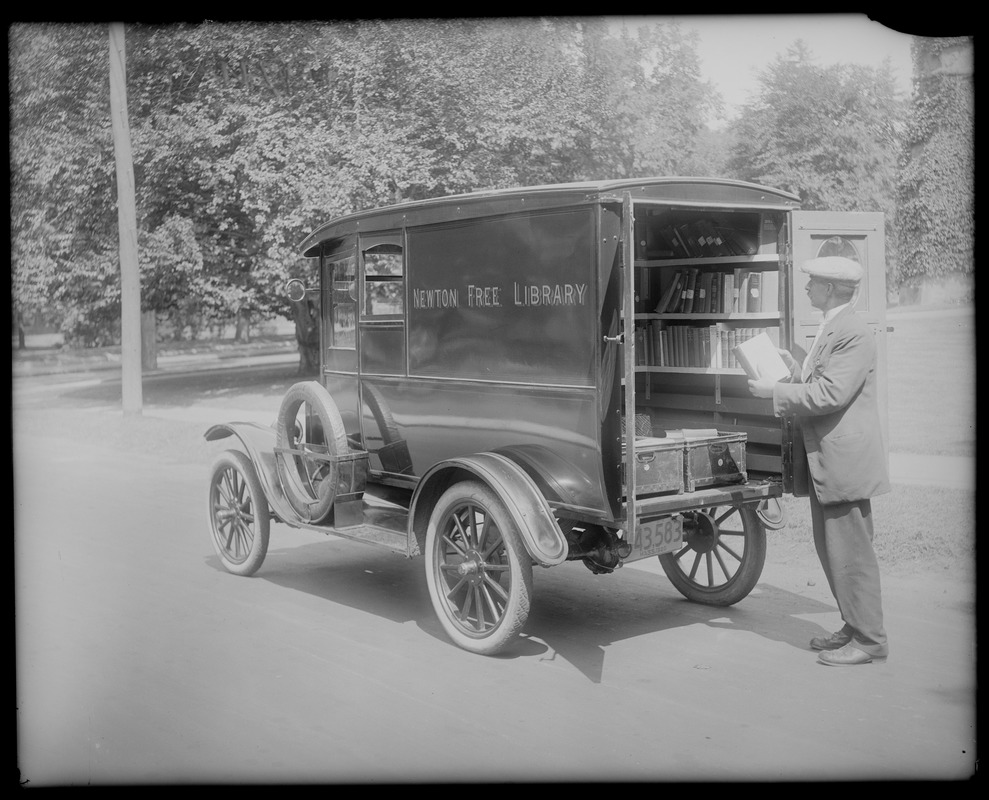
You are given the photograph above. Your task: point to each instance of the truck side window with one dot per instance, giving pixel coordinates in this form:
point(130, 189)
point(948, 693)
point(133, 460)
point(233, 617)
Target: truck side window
point(343, 302)
point(384, 281)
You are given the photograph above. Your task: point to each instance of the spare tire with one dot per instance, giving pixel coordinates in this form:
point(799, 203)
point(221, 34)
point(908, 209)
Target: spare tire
point(309, 475)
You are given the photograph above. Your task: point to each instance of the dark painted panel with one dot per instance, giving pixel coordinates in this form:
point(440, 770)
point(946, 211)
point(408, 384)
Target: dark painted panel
point(508, 298)
point(412, 424)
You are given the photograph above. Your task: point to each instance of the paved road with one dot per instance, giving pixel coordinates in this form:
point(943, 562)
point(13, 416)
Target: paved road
point(139, 660)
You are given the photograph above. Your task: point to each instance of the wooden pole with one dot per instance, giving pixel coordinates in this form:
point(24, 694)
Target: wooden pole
point(130, 276)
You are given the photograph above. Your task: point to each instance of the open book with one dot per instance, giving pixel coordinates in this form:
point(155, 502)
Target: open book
point(759, 357)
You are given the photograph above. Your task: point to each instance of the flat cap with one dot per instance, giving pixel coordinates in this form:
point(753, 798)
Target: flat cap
point(833, 268)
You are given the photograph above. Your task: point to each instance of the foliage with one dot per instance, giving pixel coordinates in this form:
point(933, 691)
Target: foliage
point(936, 190)
point(61, 170)
point(828, 134)
point(246, 136)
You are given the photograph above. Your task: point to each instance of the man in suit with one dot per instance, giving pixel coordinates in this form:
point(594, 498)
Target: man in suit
point(832, 395)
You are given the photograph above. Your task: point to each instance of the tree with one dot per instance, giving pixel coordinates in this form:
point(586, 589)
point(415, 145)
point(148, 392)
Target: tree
point(644, 100)
point(937, 189)
point(828, 134)
point(247, 136)
point(63, 216)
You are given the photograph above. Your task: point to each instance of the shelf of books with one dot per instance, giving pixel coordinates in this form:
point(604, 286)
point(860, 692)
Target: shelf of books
point(664, 347)
point(706, 281)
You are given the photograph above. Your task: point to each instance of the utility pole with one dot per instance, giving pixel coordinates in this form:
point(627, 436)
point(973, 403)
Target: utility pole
point(130, 275)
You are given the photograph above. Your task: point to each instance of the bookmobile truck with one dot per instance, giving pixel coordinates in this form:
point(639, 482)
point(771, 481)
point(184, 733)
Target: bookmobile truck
point(519, 378)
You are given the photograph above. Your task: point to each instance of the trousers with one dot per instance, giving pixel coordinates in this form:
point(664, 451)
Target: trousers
point(843, 536)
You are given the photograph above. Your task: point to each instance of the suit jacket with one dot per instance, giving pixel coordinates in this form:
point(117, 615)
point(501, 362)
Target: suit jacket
point(838, 413)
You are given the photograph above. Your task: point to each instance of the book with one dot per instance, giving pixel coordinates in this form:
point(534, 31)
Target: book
point(759, 358)
point(770, 290)
point(714, 306)
point(702, 299)
point(753, 303)
point(666, 302)
point(740, 301)
point(728, 293)
point(682, 243)
point(705, 246)
point(691, 288)
point(714, 239)
point(714, 348)
point(671, 235)
point(655, 331)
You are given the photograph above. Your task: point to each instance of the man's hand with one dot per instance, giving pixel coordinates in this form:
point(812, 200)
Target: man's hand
point(788, 359)
point(762, 387)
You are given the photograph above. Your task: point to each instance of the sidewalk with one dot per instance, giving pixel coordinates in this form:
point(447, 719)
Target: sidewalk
point(186, 356)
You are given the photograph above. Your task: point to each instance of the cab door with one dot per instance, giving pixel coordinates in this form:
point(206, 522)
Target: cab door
point(859, 236)
point(382, 347)
point(338, 303)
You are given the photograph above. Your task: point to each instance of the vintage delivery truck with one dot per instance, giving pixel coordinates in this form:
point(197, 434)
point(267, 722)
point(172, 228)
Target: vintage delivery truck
point(518, 378)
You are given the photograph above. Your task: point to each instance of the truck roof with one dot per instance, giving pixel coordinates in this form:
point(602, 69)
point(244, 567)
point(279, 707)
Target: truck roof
point(711, 192)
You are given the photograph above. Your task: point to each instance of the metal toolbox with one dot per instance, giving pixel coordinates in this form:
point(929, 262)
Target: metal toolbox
point(658, 465)
point(713, 460)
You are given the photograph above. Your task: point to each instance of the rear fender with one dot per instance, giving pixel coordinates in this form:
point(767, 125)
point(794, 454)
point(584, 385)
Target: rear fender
point(528, 507)
point(258, 442)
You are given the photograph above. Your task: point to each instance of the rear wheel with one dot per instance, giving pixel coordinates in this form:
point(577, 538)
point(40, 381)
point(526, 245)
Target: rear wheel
point(722, 557)
point(477, 568)
point(238, 514)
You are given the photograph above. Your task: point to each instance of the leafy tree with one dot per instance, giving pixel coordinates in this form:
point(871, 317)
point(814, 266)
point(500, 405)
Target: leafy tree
point(828, 134)
point(937, 190)
point(246, 136)
point(62, 171)
point(644, 100)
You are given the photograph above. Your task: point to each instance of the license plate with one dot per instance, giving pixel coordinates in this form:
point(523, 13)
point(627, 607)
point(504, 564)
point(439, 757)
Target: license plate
point(656, 537)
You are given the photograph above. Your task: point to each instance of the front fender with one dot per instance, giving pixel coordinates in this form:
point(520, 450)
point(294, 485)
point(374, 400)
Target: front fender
point(529, 509)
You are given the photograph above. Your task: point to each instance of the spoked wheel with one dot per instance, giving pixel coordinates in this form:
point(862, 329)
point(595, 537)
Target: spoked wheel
point(238, 514)
point(478, 571)
point(311, 428)
point(722, 557)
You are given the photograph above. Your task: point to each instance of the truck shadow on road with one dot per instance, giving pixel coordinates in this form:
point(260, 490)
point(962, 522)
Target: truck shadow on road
point(575, 616)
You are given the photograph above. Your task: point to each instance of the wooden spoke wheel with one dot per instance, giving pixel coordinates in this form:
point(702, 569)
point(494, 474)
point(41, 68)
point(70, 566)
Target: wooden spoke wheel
point(722, 557)
point(477, 568)
point(238, 514)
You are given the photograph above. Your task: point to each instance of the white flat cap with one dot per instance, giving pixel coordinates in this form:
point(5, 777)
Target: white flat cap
point(833, 268)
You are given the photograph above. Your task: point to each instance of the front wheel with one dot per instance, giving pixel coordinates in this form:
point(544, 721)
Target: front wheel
point(722, 557)
point(238, 514)
point(478, 570)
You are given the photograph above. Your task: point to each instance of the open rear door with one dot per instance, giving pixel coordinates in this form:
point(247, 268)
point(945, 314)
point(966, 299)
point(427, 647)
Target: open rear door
point(859, 236)
point(628, 360)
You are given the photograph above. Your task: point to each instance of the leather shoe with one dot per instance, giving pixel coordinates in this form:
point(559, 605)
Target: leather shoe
point(848, 656)
point(832, 642)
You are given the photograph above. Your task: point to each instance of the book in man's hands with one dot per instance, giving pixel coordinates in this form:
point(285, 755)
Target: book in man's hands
point(759, 358)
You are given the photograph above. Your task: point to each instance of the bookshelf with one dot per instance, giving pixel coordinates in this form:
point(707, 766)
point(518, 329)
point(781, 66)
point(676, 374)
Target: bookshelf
point(694, 301)
point(706, 279)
